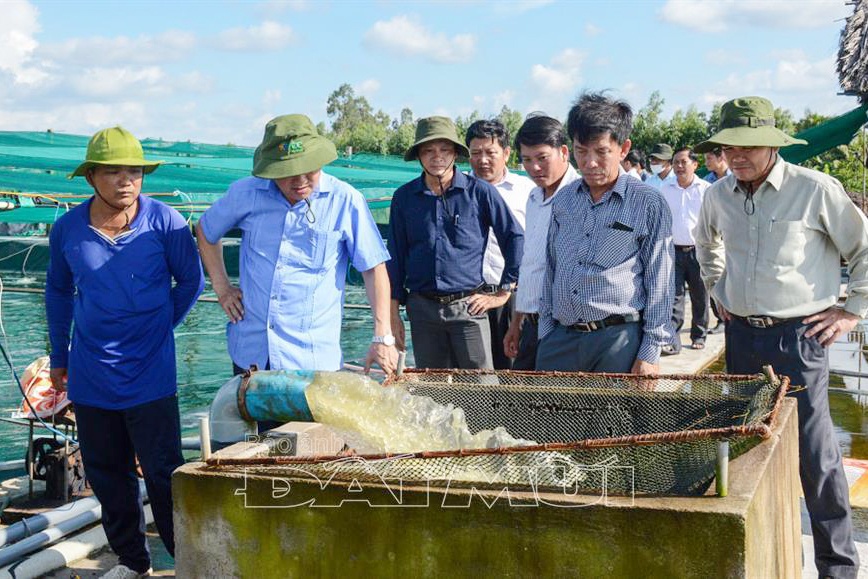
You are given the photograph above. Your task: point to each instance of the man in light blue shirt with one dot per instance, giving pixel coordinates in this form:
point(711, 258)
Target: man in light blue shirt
point(300, 229)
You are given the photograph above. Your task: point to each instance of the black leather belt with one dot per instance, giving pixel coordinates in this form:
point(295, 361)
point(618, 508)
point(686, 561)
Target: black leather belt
point(684, 248)
point(444, 299)
point(533, 318)
point(614, 320)
point(763, 321)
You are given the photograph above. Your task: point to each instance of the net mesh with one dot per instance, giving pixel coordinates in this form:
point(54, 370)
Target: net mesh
point(594, 432)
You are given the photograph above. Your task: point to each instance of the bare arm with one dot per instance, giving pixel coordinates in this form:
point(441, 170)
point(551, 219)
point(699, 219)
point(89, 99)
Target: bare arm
point(379, 296)
point(228, 295)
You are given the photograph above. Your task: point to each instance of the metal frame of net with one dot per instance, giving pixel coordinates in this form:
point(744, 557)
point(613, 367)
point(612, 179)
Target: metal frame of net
point(621, 434)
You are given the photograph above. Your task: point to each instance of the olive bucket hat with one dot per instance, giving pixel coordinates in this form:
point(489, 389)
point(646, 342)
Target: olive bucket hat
point(291, 146)
point(431, 129)
point(661, 151)
point(114, 146)
point(748, 122)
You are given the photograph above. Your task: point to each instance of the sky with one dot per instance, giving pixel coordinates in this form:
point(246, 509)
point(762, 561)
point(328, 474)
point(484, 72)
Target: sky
point(217, 71)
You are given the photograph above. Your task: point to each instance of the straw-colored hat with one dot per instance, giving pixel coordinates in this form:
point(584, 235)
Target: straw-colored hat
point(291, 146)
point(748, 122)
point(114, 146)
point(431, 129)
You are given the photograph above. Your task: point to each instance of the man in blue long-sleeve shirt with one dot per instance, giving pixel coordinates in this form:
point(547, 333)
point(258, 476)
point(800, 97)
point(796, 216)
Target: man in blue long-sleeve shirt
point(438, 230)
point(113, 259)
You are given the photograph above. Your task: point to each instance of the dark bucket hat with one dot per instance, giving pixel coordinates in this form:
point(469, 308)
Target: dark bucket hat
point(431, 129)
point(748, 122)
point(114, 146)
point(661, 151)
point(291, 146)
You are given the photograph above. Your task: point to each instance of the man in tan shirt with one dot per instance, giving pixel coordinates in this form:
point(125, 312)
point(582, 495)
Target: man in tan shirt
point(769, 242)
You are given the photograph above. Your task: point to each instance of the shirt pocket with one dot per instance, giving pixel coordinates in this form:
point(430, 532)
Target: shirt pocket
point(615, 247)
point(786, 246)
point(321, 249)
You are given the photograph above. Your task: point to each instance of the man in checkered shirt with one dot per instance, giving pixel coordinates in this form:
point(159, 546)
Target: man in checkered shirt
point(607, 298)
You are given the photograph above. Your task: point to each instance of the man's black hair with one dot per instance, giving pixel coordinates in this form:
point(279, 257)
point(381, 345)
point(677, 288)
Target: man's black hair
point(594, 114)
point(540, 129)
point(633, 157)
point(690, 154)
point(490, 129)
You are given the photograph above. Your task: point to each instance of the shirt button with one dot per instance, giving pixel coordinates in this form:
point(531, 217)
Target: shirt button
point(270, 326)
point(575, 292)
point(274, 297)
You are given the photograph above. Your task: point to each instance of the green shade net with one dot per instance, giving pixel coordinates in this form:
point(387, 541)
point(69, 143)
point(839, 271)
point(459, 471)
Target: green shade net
point(192, 177)
point(833, 133)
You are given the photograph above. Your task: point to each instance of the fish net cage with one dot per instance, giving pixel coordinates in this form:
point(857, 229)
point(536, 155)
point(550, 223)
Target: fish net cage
point(620, 434)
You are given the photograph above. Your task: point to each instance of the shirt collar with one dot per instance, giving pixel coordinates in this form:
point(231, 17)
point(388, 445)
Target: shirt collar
point(460, 180)
point(775, 178)
point(620, 187)
point(571, 176)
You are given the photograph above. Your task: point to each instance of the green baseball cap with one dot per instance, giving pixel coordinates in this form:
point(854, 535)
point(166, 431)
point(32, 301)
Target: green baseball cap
point(661, 151)
point(114, 146)
point(291, 146)
point(748, 122)
point(431, 129)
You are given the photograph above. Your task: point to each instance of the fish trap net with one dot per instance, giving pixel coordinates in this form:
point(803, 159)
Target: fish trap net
point(615, 433)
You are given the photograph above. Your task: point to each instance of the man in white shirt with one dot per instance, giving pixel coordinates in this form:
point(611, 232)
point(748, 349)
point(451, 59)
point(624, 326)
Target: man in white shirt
point(488, 142)
point(684, 197)
point(542, 145)
point(632, 164)
point(660, 164)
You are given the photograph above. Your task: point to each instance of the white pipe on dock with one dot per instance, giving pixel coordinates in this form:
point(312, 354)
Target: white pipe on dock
point(31, 525)
point(62, 554)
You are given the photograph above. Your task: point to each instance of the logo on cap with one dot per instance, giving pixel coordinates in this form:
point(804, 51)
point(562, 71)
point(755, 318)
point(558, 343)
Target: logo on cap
point(291, 147)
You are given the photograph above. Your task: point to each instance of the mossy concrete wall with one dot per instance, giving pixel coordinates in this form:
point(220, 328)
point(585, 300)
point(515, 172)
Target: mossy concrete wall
point(253, 526)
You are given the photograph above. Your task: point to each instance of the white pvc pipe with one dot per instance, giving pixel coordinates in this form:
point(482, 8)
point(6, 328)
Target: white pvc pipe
point(62, 554)
point(37, 523)
point(205, 438)
point(24, 547)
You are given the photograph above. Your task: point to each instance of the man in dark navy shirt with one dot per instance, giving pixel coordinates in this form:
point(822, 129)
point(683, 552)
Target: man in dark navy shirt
point(438, 231)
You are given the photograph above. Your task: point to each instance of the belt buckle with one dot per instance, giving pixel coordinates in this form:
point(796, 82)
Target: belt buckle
point(585, 326)
point(762, 322)
point(444, 300)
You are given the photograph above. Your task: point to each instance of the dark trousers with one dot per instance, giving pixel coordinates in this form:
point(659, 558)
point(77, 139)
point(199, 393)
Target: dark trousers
point(447, 335)
point(687, 271)
point(611, 349)
point(110, 440)
point(527, 344)
point(498, 322)
point(824, 483)
point(265, 424)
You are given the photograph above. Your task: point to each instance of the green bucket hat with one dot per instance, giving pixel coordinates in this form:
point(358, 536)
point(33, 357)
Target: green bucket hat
point(431, 129)
point(114, 146)
point(291, 146)
point(748, 122)
point(661, 151)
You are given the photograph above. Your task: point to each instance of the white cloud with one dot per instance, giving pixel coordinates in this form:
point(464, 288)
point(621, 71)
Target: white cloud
point(503, 99)
point(268, 36)
point(18, 42)
point(561, 75)
point(107, 83)
point(171, 45)
point(796, 82)
point(721, 15)
point(592, 30)
point(404, 35)
point(367, 88)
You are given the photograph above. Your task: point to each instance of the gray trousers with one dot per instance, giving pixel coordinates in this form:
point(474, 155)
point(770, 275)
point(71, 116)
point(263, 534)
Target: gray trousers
point(447, 336)
point(611, 349)
point(498, 321)
point(824, 483)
